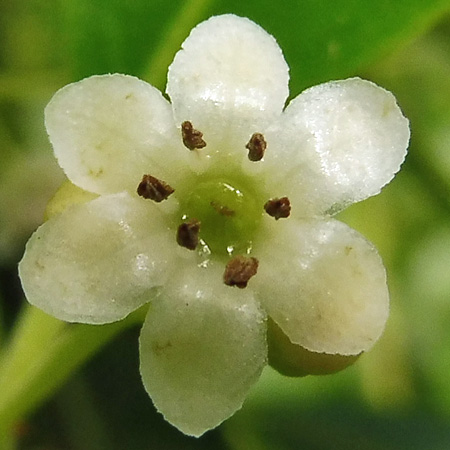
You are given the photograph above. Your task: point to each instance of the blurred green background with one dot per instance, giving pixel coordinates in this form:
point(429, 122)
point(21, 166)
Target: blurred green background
point(395, 397)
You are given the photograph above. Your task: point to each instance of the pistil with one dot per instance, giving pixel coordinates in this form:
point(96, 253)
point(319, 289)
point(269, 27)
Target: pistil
point(222, 209)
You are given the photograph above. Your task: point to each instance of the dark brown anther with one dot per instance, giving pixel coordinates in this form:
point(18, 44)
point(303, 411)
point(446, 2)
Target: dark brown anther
point(154, 189)
point(187, 234)
point(256, 147)
point(278, 208)
point(192, 138)
point(239, 270)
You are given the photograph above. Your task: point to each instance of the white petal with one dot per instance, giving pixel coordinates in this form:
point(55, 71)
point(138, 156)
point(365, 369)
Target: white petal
point(202, 347)
point(324, 284)
point(341, 142)
point(107, 131)
point(96, 262)
point(228, 79)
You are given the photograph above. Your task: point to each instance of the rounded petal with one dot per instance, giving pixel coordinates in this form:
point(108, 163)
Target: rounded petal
point(324, 285)
point(107, 131)
point(203, 345)
point(341, 142)
point(229, 77)
point(96, 262)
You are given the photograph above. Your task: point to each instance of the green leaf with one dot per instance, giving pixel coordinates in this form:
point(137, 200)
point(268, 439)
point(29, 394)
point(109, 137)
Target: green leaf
point(111, 36)
point(116, 36)
point(324, 40)
point(321, 39)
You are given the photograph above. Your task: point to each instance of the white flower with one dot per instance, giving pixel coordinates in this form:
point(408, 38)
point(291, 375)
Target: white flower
point(203, 344)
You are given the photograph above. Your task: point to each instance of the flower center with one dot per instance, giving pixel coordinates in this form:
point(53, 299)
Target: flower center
point(229, 214)
point(216, 213)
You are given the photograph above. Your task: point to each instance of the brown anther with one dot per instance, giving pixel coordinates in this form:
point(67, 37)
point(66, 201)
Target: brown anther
point(154, 189)
point(192, 138)
point(256, 147)
point(222, 209)
point(187, 234)
point(280, 208)
point(239, 270)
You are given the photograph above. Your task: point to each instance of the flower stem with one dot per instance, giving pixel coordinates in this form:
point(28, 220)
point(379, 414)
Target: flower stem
point(188, 16)
point(42, 354)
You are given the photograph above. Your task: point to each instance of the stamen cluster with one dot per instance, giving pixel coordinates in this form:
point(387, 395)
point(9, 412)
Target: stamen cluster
point(240, 268)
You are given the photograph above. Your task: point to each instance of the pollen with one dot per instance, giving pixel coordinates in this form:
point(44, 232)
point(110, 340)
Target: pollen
point(256, 147)
point(192, 138)
point(154, 189)
point(280, 208)
point(187, 234)
point(239, 270)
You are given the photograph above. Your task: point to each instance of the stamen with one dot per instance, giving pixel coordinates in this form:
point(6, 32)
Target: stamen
point(239, 270)
point(256, 147)
point(278, 208)
point(192, 138)
point(154, 189)
point(187, 234)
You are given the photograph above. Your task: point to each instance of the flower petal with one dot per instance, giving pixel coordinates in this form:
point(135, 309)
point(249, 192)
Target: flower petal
point(96, 262)
point(324, 285)
point(107, 131)
point(340, 142)
point(202, 347)
point(229, 77)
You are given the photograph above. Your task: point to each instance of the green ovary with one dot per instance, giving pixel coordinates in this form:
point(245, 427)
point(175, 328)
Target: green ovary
point(229, 214)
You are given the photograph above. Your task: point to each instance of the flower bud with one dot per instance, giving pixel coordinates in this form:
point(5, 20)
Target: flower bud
point(294, 360)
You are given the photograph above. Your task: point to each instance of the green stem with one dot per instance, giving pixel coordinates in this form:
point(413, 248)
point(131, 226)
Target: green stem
point(33, 332)
point(42, 354)
point(189, 15)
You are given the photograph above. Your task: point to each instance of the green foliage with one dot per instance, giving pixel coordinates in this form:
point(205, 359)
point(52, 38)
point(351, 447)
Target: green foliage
point(324, 40)
point(113, 36)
